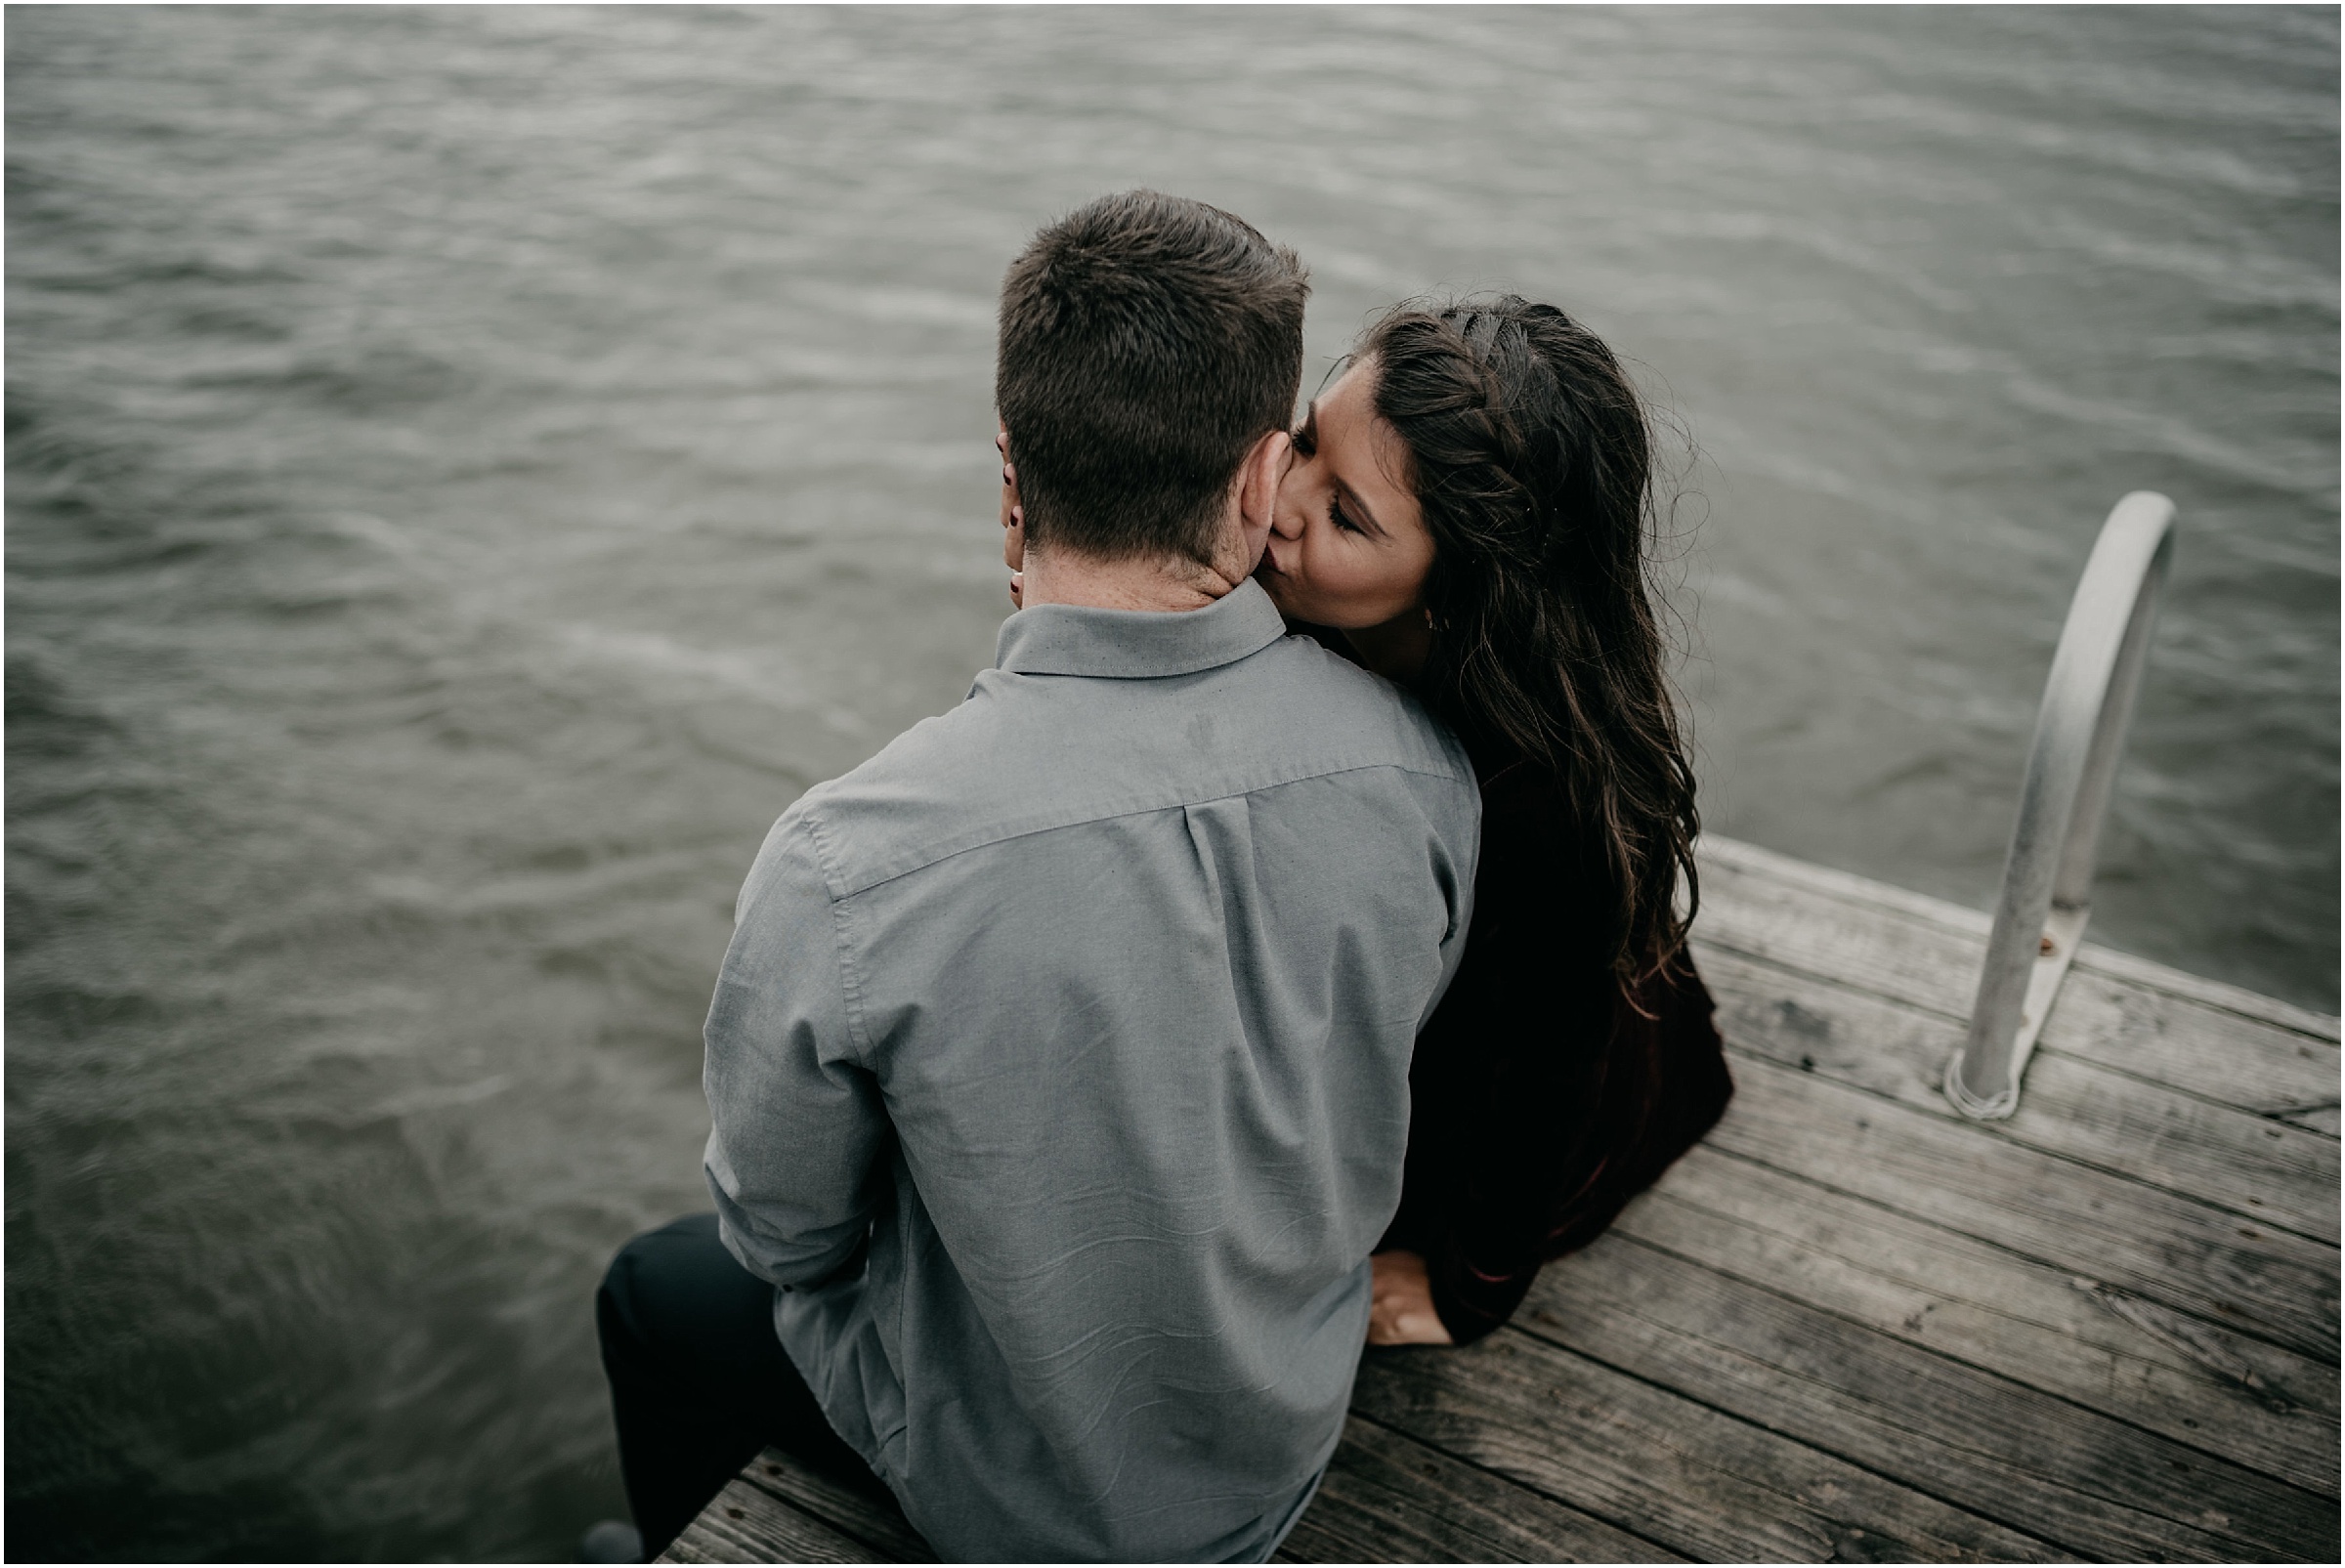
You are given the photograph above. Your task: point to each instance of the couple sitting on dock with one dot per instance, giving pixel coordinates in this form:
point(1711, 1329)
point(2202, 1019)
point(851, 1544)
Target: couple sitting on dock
point(1280, 951)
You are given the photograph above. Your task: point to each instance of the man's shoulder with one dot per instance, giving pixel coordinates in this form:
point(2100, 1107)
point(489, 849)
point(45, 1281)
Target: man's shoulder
point(1025, 755)
point(1317, 678)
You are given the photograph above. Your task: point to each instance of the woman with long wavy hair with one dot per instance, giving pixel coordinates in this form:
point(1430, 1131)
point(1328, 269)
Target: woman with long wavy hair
point(1469, 514)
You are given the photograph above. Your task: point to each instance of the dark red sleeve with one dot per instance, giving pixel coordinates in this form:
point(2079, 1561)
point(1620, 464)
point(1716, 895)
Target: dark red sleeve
point(1541, 1103)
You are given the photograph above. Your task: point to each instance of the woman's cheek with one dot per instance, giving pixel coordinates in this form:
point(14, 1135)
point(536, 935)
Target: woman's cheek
point(1328, 578)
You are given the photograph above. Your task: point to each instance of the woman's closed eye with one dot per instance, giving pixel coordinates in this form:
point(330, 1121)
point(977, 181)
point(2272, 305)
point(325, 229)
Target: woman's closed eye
point(1337, 516)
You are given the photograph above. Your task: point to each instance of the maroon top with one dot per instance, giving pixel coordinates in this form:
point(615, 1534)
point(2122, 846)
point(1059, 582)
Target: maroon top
point(1541, 1101)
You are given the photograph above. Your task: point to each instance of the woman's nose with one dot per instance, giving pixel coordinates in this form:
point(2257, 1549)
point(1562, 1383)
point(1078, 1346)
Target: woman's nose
point(1286, 521)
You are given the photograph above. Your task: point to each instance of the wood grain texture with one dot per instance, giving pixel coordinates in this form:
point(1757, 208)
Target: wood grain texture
point(2217, 1041)
point(1390, 1498)
point(1661, 1467)
point(2228, 1057)
point(747, 1524)
point(2191, 1256)
point(2258, 1167)
point(1732, 856)
point(2320, 1118)
point(874, 1520)
point(2095, 1486)
point(2224, 1393)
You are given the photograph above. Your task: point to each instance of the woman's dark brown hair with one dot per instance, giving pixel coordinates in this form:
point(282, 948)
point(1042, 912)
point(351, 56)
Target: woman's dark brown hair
point(1532, 458)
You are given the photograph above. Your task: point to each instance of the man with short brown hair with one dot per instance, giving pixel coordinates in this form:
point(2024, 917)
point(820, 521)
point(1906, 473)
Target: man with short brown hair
point(1148, 346)
point(1058, 1067)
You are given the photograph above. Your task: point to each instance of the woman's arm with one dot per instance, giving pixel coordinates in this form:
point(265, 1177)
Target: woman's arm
point(1543, 1103)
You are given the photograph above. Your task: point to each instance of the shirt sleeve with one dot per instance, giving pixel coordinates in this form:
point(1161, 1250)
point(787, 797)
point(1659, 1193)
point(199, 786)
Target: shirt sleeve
point(797, 1126)
point(1456, 869)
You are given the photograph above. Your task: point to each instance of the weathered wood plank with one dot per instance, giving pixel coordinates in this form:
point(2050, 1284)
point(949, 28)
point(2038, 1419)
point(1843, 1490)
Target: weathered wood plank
point(2243, 1399)
point(2128, 969)
point(747, 1524)
point(2093, 1485)
point(2255, 1167)
point(1662, 1466)
point(2228, 1057)
point(875, 1519)
point(2312, 1118)
point(1385, 1498)
point(1390, 1498)
point(2206, 1038)
point(1736, 857)
point(2189, 1255)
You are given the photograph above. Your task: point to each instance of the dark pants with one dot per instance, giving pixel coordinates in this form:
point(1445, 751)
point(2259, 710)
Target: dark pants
point(699, 1382)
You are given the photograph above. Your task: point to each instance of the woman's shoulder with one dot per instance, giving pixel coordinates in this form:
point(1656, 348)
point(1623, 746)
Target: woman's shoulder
point(1534, 871)
point(1517, 789)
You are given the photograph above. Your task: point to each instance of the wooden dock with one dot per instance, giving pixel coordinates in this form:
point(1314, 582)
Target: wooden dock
point(1854, 1326)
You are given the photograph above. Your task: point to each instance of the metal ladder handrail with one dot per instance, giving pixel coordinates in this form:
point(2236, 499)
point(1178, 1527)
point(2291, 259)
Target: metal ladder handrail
point(2079, 734)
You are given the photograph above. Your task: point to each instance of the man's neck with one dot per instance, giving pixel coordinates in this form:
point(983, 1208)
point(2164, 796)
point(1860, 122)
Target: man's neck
point(1057, 577)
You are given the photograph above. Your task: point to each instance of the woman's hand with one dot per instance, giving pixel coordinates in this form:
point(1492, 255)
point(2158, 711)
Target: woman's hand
point(1400, 1303)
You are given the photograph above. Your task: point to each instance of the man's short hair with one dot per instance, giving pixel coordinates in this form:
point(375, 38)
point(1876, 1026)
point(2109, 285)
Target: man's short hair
point(1147, 342)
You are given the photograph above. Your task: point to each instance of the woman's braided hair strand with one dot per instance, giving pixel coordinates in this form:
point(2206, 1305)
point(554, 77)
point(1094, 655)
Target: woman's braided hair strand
point(1531, 457)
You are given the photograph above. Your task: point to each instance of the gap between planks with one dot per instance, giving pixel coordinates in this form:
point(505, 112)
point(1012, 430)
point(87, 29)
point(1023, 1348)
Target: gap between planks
point(2043, 1183)
point(2188, 1255)
point(1704, 1482)
point(1737, 860)
point(1973, 1439)
point(2197, 1035)
point(2230, 1396)
point(2263, 1169)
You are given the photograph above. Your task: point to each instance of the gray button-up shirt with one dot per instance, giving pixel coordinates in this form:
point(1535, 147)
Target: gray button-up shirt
point(1059, 1076)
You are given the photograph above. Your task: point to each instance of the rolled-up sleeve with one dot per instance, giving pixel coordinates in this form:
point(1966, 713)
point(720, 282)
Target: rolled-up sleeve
point(796, 1125)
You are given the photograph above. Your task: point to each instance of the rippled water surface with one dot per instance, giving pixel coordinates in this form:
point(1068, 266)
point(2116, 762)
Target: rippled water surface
point(469, 469)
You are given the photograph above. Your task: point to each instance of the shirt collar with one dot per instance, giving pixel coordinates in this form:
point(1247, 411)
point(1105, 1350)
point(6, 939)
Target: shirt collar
point(1138, 644)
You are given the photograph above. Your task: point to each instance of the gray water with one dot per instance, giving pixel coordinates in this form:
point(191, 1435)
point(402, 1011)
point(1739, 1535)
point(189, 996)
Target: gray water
point(469, 469)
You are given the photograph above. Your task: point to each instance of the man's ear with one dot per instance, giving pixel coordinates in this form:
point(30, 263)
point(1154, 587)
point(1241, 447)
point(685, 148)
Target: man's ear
point(1259, 480)
point(1013, 513)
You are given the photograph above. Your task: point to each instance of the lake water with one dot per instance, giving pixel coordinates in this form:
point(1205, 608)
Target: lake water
point(470, 469)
